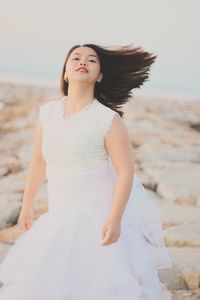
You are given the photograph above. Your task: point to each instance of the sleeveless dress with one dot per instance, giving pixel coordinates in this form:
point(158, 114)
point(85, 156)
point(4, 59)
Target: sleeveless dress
point(61, 256)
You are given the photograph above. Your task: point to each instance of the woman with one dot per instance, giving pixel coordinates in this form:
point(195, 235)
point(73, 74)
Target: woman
point(101, 238)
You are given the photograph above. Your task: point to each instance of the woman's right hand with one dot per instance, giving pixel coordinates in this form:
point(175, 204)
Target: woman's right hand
point(25, 218)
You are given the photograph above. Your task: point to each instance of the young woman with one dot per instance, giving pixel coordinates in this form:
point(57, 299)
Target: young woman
point(101, 238)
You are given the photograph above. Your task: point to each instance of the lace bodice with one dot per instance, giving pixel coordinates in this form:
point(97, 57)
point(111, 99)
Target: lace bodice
point(76, 141)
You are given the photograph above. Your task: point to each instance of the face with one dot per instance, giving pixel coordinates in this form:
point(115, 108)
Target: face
point(83, 57)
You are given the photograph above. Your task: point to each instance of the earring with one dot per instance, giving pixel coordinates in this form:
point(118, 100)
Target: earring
point(99, 81)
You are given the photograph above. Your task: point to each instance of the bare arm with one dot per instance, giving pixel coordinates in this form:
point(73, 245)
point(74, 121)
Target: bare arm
point(118, 146)
point(36, 170)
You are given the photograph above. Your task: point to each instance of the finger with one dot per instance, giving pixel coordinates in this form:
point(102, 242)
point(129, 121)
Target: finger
point(103, 232)
point(108, 242)
point(27, 224)
point(106, 235)
point(105, 240)
point(109, 239)
point(23, 224)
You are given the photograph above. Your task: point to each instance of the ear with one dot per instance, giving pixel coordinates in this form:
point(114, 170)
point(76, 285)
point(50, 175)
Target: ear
point(100, 77)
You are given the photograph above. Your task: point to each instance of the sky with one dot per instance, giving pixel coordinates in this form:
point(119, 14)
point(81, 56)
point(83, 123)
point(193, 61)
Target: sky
point(36, 36)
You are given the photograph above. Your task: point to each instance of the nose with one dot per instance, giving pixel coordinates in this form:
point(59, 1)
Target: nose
point(82, 63)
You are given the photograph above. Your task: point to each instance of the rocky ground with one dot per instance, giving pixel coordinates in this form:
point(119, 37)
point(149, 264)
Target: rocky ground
point(165, 136)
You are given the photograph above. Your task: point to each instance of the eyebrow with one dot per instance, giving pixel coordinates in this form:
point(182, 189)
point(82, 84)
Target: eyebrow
point(88, 55)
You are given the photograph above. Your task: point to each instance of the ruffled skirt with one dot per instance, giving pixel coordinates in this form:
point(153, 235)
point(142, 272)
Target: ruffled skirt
point(61, 256)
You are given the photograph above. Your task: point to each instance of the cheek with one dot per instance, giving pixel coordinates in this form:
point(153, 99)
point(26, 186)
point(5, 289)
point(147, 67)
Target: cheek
point(69, 68)
point(96, 70)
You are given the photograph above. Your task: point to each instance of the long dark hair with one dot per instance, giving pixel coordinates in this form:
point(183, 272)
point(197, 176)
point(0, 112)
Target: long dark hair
point(123, 68)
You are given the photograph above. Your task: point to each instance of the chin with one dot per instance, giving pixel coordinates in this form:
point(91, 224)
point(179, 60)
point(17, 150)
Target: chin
point(81, 80)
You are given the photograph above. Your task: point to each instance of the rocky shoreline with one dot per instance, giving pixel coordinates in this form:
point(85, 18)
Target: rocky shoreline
point(165, 136)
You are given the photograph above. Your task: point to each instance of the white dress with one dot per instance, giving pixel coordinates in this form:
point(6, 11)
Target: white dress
point(61, 256)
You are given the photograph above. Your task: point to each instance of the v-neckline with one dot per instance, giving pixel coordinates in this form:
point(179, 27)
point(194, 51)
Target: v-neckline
point(77, 113)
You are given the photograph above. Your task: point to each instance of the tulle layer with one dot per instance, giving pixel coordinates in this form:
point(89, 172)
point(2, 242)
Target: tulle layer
point(61, 256)
point(141, 214)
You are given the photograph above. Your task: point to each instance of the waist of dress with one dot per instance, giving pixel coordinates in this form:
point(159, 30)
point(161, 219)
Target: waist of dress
point(89, 188)
point(78, 170)
point(71, 181)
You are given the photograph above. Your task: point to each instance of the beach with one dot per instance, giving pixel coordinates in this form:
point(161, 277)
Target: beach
point(165, 138)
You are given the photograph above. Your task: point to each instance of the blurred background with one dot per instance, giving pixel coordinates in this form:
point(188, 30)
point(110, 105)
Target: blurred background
point(163, 117)
point(35, 37)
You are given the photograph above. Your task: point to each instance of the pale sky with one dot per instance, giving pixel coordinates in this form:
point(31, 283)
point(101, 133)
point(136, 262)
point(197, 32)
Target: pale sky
point(36, 35)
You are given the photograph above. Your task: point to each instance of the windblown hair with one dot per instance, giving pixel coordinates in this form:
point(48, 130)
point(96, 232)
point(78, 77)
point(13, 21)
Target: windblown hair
point(123, 68)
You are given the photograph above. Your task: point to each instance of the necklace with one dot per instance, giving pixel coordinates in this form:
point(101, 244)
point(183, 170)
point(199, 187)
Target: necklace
point(84, 108)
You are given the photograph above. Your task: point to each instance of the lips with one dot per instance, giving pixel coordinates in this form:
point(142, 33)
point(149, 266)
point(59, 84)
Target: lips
point(82, 69)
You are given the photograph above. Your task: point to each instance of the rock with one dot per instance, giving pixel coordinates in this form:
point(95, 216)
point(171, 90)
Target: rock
point(10, 206)
point(191, 279)
point(174, 214)
point(147, 181)
point(176, 184)
point(3, 171)
point(188, 200)
point(185, 269)
point(155, 153)
point(10, 168)
point(11, 234)
point(195, 125)
point(170, 140)
point(24, 154)
point(186, 295)
point(184, 235)
point(13, 182)
point(2, 105)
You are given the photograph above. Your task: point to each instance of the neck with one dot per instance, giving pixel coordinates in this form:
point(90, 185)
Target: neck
point(80, 94)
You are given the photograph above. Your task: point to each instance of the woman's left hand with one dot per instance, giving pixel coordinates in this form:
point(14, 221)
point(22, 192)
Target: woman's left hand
point(111, 231)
